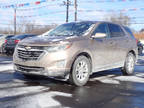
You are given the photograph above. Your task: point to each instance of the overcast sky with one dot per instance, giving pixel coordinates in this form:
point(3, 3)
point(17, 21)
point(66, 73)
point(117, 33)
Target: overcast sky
point(53, 11)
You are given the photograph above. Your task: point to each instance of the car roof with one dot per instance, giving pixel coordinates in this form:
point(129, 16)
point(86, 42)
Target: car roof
point(94, 22)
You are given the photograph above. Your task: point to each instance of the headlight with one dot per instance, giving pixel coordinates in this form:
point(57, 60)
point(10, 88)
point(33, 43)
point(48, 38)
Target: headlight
point(57, 48)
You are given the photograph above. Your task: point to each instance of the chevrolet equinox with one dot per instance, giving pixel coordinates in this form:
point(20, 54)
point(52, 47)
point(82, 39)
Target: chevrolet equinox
point(76, 50)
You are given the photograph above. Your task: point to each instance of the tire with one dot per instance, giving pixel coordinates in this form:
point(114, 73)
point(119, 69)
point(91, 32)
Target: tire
point(140, 49)
point(27, 76)
point(80, 71)
point(33, 77)
point(129, 65)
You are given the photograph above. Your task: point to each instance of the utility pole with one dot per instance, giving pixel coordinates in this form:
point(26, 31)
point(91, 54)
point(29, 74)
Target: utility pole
point(67, 10)
point(14, 21)
point(67, 4)
point(75, 6)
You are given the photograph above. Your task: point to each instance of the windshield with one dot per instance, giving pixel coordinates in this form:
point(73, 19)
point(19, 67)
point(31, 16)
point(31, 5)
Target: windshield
point(71, 29)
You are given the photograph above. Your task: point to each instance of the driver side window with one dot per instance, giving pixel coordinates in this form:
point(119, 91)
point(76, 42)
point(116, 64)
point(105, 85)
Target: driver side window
point(102, 28)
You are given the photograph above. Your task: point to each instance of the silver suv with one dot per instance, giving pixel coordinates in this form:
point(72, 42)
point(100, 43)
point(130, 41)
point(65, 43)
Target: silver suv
point(76, 50)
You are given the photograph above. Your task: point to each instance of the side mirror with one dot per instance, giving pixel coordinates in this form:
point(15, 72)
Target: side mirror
point(99, 35)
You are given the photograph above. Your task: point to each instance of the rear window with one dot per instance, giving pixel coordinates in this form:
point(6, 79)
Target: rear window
point(22, 36)
point(9, 36)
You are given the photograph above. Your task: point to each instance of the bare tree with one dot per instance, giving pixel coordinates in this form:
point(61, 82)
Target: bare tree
point(25, 26)
point(29, 27)
point(39, 29)
point(119, 18)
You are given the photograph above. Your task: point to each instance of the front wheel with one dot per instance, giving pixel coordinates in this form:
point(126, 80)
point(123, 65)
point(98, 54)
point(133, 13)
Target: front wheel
point(80, 71)
point(129, 65)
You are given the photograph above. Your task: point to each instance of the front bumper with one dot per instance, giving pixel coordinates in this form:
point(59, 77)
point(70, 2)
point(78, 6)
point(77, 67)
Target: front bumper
point(40, 71)
point(48, 64)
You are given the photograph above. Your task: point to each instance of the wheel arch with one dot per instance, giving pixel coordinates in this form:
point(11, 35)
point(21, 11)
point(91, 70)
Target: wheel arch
point(86, 54)
point(133, 52)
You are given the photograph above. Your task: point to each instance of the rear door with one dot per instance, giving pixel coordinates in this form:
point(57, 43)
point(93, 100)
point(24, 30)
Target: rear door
point(119, 37)
point(103, 49)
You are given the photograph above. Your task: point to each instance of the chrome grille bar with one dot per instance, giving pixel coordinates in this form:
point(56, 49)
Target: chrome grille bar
point(32, 54)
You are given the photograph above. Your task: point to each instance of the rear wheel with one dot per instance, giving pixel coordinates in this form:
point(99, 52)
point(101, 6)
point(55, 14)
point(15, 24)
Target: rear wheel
point(129, 65)
point(140, 49)
point(80, 71)
point(29, 76)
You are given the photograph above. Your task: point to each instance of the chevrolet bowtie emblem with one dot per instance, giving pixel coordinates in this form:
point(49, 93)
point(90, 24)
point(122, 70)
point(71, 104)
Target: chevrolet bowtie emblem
point(27, 47)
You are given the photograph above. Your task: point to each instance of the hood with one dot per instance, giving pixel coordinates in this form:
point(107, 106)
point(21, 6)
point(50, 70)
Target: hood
point(44, 40)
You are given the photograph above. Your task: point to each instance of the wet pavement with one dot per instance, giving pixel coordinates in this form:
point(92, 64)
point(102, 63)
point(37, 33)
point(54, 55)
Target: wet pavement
point(108, 89)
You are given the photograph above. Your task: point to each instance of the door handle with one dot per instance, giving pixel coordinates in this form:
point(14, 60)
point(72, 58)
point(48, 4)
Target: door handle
point(100, 40)
point(111, 42)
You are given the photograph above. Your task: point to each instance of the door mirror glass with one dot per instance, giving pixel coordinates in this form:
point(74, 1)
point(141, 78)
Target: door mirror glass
point(99, 35)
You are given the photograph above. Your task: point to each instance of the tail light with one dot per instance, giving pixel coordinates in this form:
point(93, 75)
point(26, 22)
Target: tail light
point(16, 41)
point(136, 41)
point(5, 41)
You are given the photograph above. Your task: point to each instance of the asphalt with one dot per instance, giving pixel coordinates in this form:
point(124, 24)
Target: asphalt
point(107, 89)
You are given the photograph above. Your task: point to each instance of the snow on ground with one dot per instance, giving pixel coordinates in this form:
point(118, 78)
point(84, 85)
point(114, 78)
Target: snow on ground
point(130, 79)
point(21, 91)
point(6, 67)
point(114, 79)
point(117, 79)
point(41, 100)
point(104, 79)
point(47, 100)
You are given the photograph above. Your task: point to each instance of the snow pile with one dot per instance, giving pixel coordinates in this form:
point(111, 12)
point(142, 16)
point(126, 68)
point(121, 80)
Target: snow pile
point(6, 67)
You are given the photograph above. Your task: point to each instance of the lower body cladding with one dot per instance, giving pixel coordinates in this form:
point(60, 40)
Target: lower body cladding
point(46, 65)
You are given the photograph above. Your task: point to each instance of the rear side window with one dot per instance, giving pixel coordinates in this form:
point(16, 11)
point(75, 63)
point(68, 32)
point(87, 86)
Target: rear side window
point(129, 32)
point(115, 30)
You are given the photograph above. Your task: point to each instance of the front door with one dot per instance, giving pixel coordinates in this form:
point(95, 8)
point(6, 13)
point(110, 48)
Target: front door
point(103, 48)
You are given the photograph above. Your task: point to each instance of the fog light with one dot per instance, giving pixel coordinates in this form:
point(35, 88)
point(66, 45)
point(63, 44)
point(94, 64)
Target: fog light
point(61, 64)
point(57, 65)
point(59, 55)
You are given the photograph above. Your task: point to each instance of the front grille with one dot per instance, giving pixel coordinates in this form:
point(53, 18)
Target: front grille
point(31, 54)
point(29, 68)
point(33, 47)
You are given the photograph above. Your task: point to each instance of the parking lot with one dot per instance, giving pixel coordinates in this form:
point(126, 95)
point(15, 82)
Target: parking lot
point(108, 89)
